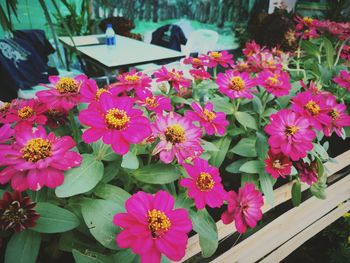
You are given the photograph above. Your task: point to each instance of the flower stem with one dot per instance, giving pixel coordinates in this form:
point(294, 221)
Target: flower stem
point(75, 130)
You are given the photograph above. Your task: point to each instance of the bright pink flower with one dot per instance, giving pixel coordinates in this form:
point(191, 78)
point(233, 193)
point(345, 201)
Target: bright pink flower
point(313, 108)
point(5, 133)
point(133, 80)
point(307, 172)
point(116, 121)
point(213, 122)
point(306, 27)
point(290, 134)
point(65, 92)
point(345, 53)
point(37, 159)
point(175, 78)
point(90, 92)
point(4, 109)
point(196, 63)
point(151, 227)
point(199, 74)
point(204, 184)
point(236, 85)
point(244, 208)
point(157, 104)
point(178, 138)
point(338, 116)
point(270, 61)
point(343, 79)
point(277, 164)
point(27, 112)
point(251, 48)
point(215, 58)
point(277, 82)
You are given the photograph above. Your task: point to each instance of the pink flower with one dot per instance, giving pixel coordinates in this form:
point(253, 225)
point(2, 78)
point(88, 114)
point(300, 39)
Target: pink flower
point(307, 172)
point(244, 208)
point(290, 134)
point(37, 159)
point(338, 116)
point(5, 133)
point(4, 109)
point(116, 121)
point(26, 112)
point(132, 81)
point(277, 164)
point(215, 58)
point(204, 184)
point(251, 48)
point(343, 79)
point(178, 138)
point(158, 103)
point(65, 92)
point(151, 227)
point(175, 78)
point(199, 74)
point(91, 93)
point(345, 53)
point(277, 82)
point(236, 85)
point(313, 108)
point(196, 63)
point(213, 122)
point(56, 117)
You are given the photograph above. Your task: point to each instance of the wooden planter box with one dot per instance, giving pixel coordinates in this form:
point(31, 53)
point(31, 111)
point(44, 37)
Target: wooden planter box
point(284, 234)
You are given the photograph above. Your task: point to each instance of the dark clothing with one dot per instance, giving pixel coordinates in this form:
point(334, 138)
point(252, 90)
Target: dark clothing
point(23, 62)
point(169, 36)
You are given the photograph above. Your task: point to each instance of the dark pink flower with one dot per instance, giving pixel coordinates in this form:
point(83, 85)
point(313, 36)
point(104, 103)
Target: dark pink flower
point(199, 74)
point(116, 121)
point(215, 58)
point(345, 53)
point(6, 133)
point(178, 138)
point(132, 80)
point(290, 134)
point(4, 109)
point(65, 92)
point(277, 164)
point(196, 63)
point(236, 85)
point(174, 77)
point(244, 208)
point(307, 172)
point(343, 79)
point(213, 122)
point(251, 48)
point(90, 92)
point(277, 82)
point(157, 104)
point(151, 227)
point(37, 159)
point(204, 184)
point(56, 117)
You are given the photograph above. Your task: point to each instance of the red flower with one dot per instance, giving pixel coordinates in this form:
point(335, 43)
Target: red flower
point(307, 172)
point(175, 78)
point(277, 164)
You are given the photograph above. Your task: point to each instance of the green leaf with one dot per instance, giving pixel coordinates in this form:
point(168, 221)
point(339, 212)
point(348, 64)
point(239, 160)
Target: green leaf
point(81, 179)
point(90, 257)
point(320, 151)
point(157, 174)
point(111, 170)
point(257, 106)
point(206, 228)
point(261, 145)
point(208, 146)
point(130, 161)
point(296, 193)
point(330, 52)
point(234, 167)
point(249, 178)
point(310, 48)
point(245, 147)
point(111, 192)
point(218, 157)
point(126, 256)
point(76, 240)
point(223, 105)
point(98, 215)
point(246, 120)
point(23, 247)
point(252, 167)
point(319, 190)
point(179, 100)
point(183, 201)
point(103, 152)
point(269, 111)
point(54, 219)
point(266, 184)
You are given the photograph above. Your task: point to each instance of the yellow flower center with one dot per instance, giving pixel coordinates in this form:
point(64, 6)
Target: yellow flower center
point(273, 80)
point(117, 119)
point(205, 182)
point(308, 20)
point(237, 83)
point(196, 61)
point(312, 107)
point(175, 134)
point(215, 54)
point(158, 222)
point(209, 115)
point(25, 113)
point(291, 130)
point(334, 114)
point(151, 101)
point(36, 149)
point(67, 85)
point(99, 92)
point(133, 77)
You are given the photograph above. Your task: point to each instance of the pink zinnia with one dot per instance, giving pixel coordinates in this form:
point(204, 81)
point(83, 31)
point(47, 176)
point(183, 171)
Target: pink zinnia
point(307, 172)
point(90, 92)
point(132, 80)
point(116, 121)
point(343, 79)
point(151, 227)
point(204, 184)
point(56, 117)
point(174, 77)
point(178, 138)
point(196, 63)
point(199, 74)
point(27, 112)
point(37, 159)
point(244, 208)
point(277, 164)
point(251, 48)
point(313, 108)
point(215, 58)
point(65, 92)
point(290, 134)
point(5, 133)
point(338, 116)
point(236, 85)
point(277, 82)
point(157, 104)
point(4, 109)
point(213, 122)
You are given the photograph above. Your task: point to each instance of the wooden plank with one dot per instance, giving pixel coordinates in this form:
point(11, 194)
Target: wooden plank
point(287, 225)
point(281, 195)
point(292, 244)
